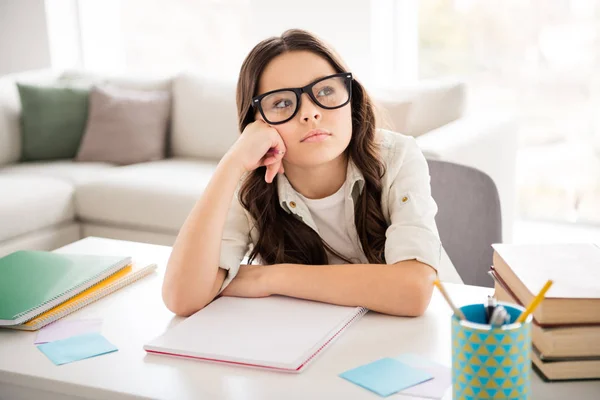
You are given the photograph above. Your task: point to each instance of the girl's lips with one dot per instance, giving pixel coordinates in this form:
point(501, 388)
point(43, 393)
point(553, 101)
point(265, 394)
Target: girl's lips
point(315, 133)
point(319, 137)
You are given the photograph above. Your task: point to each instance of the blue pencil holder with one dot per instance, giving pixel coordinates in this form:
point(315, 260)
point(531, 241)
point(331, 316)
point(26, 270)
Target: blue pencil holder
point(491, 363)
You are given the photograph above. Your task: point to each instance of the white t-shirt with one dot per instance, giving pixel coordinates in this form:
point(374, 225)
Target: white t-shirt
point(328, 215)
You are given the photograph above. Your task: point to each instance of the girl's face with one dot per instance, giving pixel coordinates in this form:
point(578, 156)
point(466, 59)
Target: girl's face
point(333, 128)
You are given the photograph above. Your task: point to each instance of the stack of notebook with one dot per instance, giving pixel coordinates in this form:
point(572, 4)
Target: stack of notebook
point(39, 287)
point(566, 325)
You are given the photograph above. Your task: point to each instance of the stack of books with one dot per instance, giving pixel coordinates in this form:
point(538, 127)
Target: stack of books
point(566, 325)
point(39, 287)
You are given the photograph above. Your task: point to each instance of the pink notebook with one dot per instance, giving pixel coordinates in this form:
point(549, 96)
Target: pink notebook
point(276, 333)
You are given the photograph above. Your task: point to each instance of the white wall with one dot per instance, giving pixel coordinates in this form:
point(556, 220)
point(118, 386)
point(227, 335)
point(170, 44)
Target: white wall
point(23, 36)
point(344, 24)
point(377, 39)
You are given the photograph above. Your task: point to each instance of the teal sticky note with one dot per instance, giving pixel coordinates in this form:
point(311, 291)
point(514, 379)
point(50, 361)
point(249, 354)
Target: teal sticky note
point(77, 348)
point(386, 376)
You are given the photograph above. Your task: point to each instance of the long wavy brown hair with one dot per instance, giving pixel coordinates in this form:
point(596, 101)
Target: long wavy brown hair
point(282, 238)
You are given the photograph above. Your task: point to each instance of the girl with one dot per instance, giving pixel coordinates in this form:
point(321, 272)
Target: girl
point(335, 210)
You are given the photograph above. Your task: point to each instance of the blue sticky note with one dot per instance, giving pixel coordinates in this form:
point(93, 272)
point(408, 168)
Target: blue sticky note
point(386, 376)
point(77, 348)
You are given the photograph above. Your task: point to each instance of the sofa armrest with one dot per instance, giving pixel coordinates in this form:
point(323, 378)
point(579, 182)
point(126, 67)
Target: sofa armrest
point(487, 142)
point(10, 111)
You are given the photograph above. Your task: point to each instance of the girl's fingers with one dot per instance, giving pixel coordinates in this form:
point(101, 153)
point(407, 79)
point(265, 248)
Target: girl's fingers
point(269, 160)
point(272, 171)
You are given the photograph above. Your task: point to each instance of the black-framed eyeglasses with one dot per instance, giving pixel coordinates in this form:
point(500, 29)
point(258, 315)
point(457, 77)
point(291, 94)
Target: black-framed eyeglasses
point(281, 105)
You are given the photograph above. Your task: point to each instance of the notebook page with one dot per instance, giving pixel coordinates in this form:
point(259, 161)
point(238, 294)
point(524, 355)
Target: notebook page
point(272, 331)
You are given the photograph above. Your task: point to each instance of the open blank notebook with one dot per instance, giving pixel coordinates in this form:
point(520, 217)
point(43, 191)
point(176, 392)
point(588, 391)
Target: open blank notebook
point(276, 332)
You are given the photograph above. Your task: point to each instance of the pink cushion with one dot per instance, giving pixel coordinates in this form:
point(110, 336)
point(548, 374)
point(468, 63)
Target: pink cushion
point(125, 126)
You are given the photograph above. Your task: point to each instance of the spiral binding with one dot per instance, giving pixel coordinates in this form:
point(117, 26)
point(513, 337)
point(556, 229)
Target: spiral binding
point(362, 312)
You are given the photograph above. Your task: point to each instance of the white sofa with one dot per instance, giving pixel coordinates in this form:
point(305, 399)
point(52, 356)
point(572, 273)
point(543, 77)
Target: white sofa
point(44, 205)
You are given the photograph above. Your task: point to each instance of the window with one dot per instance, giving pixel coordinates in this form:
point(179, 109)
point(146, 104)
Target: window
point(539, 60)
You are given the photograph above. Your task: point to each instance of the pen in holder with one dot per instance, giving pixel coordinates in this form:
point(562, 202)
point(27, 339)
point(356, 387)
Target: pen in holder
point(489, 309)
point(499, 316)
point(490, 362)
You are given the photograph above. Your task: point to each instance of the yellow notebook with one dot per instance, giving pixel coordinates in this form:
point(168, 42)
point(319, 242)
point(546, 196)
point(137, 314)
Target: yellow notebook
point(114, 282)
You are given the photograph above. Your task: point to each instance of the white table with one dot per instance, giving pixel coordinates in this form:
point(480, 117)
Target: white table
point(134, 315)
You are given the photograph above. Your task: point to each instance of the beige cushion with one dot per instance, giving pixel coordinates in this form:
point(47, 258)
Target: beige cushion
point(125, 126)
point(126, 81)
point(423, 106)
point(204, 117)
point(66, 170)
point(392, 114)
point(29, 203)
point(154, 196)
point(437, 105)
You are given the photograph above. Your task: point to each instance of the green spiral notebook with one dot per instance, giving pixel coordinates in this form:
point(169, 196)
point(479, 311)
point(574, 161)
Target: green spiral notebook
point(32, 282)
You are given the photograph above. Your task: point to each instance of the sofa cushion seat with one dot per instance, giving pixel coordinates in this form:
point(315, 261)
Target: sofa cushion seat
point(155, 196)
point(70, 171)
point(29, 203)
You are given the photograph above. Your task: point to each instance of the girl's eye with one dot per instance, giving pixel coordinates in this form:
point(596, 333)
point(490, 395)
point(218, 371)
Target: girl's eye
point(282, 104)
point(326, 91)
